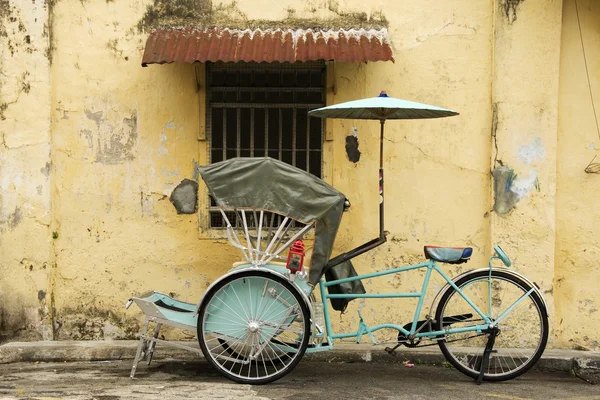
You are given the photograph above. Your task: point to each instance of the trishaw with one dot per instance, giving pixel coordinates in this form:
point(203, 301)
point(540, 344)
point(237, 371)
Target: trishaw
point(255, 323)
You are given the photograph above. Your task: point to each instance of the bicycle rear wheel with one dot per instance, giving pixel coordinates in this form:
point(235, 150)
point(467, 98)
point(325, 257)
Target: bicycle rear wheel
point(253, 327)
point(523, 333)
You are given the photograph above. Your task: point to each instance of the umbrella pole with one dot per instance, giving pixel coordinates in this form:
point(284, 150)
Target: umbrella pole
point(363, 248)
point(381, 230)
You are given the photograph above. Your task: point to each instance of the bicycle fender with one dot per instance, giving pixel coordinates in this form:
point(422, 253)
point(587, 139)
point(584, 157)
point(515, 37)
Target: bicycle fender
point(265, 268)
point(435, 301)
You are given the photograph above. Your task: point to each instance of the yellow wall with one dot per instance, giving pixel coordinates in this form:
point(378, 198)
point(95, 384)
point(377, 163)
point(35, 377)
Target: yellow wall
point(525, 99)
point(91, 153)
point(26, 251)
point(577, 213)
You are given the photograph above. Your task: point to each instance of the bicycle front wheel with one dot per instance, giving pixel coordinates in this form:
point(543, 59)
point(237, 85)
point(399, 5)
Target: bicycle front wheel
point(523, 332)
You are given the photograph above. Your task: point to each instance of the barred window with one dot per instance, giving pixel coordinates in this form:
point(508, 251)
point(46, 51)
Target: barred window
point(257, 110)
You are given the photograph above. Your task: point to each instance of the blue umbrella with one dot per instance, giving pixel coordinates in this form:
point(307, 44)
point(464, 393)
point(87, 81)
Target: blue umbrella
point(379, 108)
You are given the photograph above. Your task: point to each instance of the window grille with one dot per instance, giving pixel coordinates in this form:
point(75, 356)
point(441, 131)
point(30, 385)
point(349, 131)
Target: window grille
point(257, 110)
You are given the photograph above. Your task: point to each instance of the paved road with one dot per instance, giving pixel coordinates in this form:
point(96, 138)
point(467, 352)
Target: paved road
point(310, 380)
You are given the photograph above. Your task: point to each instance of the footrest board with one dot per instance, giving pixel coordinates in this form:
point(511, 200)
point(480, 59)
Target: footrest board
point(167, 310)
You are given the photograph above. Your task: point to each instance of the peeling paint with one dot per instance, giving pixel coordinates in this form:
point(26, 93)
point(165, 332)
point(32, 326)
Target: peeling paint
point(504, 198)
point(168, 173)
point(532, 151)
point(522, 186)
point(94, 116)
point(162, 149)
point(509, 188)
point(185, 197)
point(352, 150)
point(113, 144)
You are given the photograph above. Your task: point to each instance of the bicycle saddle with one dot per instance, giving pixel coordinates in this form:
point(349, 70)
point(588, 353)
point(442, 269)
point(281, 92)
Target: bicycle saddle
point(450, 255)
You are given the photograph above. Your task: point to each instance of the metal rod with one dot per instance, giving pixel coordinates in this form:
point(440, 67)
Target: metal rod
point(238, 132)
point(294, 116)
point(280, 136)
point(378, 273)
point(259, 232)
point(381, 219)
point(266, 132)
point(374, 296)
point(265, 89)
point(273, 241)
point(224, 117)
point(382, 235)
point(307, 142)
point(363, 248)
point(381, 144)
point(252, 132)
point(266, 105)
point(289, 242)
point(246, 231)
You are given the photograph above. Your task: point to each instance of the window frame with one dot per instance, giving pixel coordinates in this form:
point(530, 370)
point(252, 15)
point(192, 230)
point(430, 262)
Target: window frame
point(214, 97)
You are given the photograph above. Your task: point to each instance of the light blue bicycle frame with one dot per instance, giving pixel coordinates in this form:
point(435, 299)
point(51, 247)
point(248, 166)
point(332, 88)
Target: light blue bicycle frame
point(430, 266)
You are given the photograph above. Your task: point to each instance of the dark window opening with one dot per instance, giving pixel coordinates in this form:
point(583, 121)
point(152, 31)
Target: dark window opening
point(257, 110)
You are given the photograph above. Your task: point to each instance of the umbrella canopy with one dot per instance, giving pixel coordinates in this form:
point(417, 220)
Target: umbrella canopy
point(381, 107)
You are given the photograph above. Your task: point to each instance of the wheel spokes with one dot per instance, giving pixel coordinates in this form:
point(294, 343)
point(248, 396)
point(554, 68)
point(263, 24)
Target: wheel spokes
point(521, 333)
point(254, 328)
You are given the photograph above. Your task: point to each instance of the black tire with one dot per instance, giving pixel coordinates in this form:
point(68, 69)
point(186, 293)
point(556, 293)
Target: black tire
point(249, 311)
point(518, 333)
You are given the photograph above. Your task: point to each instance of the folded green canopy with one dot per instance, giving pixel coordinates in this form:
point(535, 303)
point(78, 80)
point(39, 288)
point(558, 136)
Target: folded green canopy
point(272, 185)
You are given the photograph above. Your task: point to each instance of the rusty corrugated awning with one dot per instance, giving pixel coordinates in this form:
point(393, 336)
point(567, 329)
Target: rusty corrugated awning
point(189, 45)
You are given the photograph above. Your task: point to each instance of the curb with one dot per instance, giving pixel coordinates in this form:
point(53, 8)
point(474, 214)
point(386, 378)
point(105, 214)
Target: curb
point(583, 364)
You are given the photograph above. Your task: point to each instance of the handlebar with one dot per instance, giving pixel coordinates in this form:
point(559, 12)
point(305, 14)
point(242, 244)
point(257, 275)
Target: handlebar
point(502, 255)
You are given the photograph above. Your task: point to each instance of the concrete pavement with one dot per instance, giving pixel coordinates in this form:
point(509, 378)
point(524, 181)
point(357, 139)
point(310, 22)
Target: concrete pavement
point(583, 364)
point(311, 379)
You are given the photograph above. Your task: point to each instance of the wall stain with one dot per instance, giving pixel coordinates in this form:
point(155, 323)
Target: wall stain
point(185, 197)
point(15, 320)
point(45, 170)
point(87, 133)
point(13, 219)
point(352, 150)
point(169, 13)
point(504, 198)
point(510, 9)
point(48, 30)
point(93, 323)
point(112, 46)
point(95, 116)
